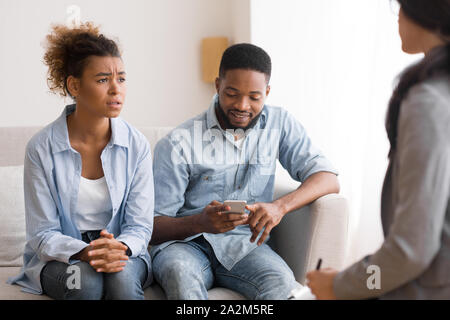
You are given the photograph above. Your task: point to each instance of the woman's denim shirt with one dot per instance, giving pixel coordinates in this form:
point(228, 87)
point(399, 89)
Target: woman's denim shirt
point(52, 171)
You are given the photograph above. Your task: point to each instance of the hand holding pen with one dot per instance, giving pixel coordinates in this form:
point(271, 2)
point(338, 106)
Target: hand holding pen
point(303, 293)
point(321, 282)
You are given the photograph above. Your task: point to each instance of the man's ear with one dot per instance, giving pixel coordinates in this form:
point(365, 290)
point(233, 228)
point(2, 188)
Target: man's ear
point(217, 82)
point(73, 86)
point(267, 90)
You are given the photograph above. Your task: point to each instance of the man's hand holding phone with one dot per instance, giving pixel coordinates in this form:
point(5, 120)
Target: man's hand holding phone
point(218, 218)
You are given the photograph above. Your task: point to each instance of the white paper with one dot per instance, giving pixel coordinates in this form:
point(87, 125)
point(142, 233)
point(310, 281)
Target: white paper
point(303, 293)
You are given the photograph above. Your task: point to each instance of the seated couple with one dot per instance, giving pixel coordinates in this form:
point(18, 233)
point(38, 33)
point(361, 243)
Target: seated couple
point(91, 187)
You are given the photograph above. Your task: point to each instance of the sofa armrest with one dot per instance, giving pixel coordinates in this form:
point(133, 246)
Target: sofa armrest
point(319, 230)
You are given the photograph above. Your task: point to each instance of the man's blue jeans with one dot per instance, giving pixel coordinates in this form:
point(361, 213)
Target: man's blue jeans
point(124, 285)
point(187, 270)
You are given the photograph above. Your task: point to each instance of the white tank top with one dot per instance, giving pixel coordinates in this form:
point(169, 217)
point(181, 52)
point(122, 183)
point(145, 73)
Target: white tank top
point(94, 209)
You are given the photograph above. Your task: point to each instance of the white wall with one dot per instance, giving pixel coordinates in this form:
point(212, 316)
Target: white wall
point(241, 20)
point(161, 42)
point(334, 63)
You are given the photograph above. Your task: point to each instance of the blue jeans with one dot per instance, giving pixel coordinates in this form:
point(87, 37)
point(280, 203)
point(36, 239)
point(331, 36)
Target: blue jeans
point(57, 280)
point(187, 270)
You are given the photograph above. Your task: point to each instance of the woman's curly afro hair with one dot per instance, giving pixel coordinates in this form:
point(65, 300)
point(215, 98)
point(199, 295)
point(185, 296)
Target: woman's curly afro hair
point(67, 50)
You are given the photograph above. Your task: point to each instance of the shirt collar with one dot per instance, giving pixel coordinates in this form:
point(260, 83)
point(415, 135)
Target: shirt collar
point(119, 132)
point(211, 117)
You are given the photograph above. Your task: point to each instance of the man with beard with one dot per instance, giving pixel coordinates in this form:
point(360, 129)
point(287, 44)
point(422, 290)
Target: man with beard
point(229, 152)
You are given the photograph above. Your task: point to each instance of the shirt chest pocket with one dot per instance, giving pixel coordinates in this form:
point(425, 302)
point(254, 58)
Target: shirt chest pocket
point(260, 175)
point(205, 188)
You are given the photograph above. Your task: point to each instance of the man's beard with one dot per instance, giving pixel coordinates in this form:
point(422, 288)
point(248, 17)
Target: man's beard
point(227, 122)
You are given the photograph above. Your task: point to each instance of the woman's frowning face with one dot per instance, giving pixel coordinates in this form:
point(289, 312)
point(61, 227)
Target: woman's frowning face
point(101, 90)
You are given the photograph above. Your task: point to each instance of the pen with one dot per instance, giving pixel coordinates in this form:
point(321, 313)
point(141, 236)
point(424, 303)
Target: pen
point(318, 264)
point(303, 291)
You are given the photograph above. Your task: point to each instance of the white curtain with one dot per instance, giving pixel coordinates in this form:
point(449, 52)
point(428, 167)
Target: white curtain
point(334, 66)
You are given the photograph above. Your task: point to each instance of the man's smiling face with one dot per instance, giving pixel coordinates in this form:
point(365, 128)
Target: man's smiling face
point(242, 94)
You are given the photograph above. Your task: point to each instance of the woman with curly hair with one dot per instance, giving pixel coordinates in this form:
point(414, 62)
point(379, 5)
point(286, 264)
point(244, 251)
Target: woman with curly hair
point(414, 259)
point(88, 180)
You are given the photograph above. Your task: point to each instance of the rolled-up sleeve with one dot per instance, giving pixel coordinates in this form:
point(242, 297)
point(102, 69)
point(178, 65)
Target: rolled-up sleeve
point(297, 154)
point(171, 179)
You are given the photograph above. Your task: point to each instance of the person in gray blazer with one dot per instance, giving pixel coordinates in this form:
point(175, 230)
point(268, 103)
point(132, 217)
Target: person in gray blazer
point(414, 260)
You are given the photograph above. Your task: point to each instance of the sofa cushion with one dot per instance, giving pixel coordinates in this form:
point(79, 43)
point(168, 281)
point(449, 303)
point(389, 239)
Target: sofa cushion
point(12, 216)
point(154, 134)
point(154, 292)
point(13, 292)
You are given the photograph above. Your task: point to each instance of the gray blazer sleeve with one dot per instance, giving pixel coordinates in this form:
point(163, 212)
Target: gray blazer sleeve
point(421, 186)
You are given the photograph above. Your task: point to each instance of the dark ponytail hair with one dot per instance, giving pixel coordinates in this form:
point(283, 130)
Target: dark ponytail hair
point(433, 16)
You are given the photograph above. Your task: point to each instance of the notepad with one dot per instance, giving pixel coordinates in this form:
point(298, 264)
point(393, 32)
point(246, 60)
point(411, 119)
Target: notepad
point(303, 293)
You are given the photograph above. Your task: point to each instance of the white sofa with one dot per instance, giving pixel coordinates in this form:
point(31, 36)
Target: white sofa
point(318, 230)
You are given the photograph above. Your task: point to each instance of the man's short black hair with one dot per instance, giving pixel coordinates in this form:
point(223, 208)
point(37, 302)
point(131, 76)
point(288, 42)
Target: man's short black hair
point(245, 56)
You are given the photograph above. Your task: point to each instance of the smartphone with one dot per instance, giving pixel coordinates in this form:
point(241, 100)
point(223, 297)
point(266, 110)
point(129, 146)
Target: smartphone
point(237, 206)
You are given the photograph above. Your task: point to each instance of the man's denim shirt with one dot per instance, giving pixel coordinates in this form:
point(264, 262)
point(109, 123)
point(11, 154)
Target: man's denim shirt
point(52, 171)
point(198, 162)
